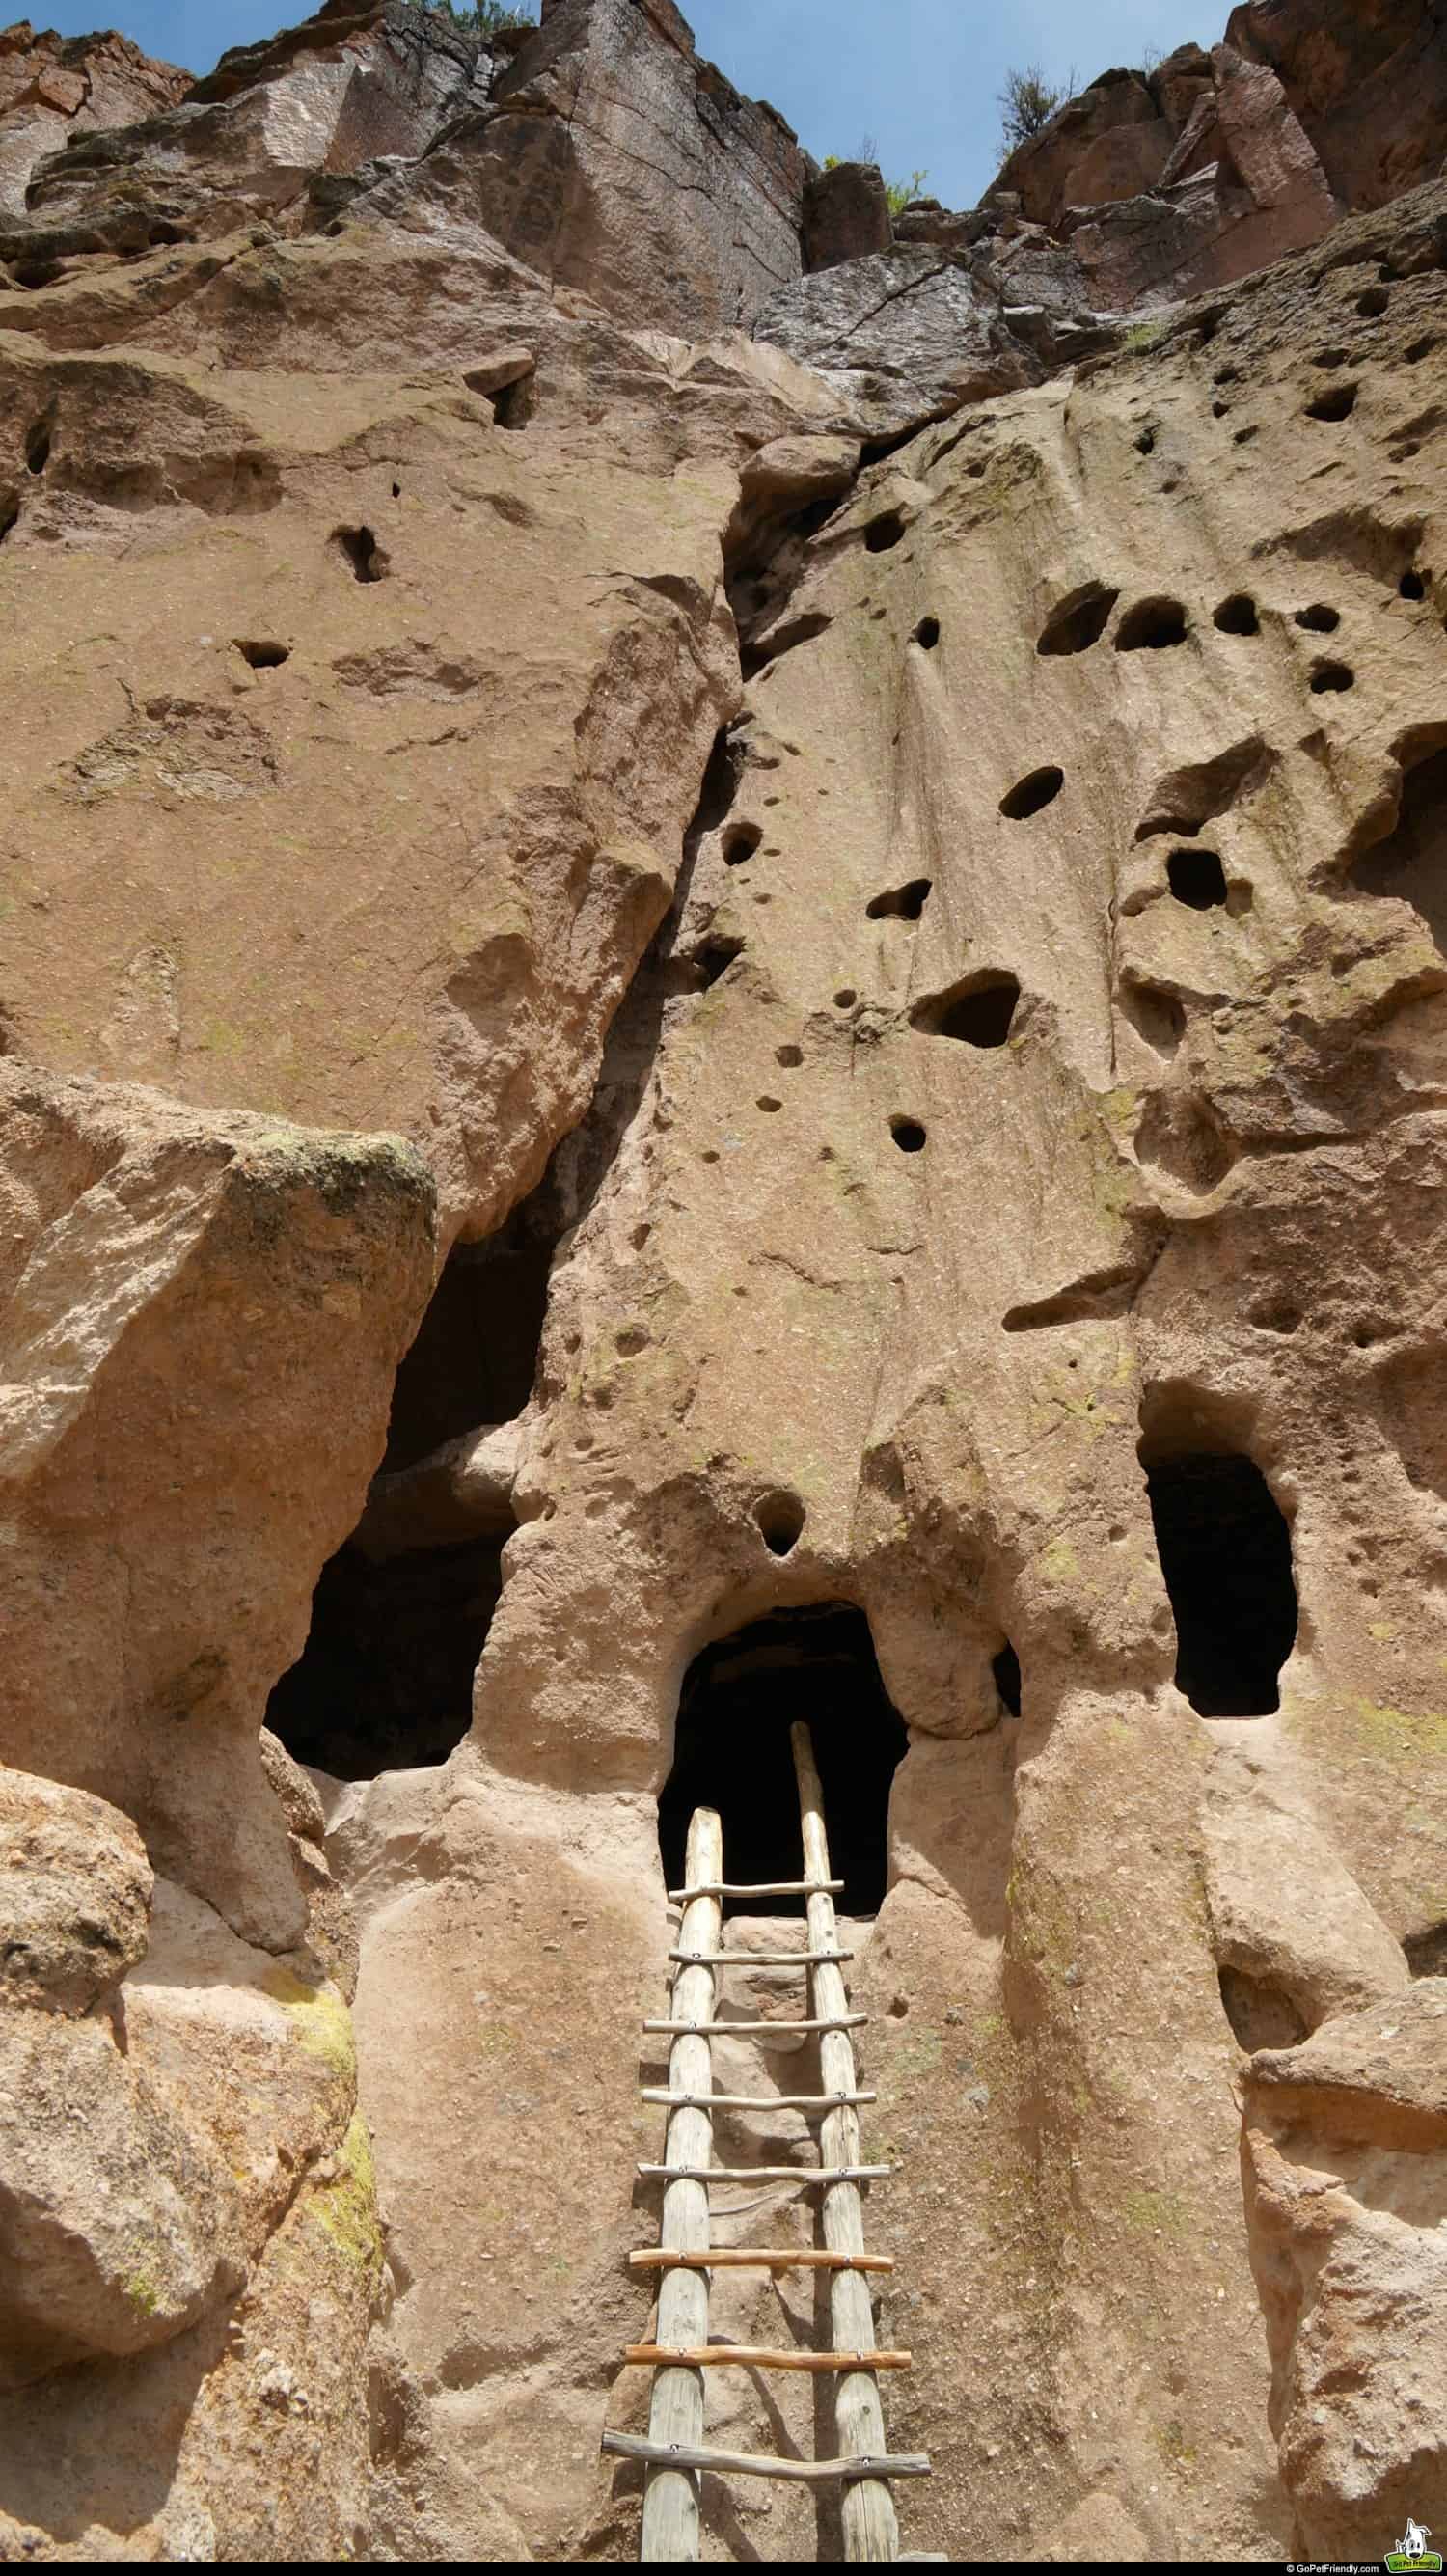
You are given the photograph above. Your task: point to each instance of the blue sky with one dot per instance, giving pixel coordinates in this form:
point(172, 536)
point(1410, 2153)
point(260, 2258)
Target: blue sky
point(918, 76)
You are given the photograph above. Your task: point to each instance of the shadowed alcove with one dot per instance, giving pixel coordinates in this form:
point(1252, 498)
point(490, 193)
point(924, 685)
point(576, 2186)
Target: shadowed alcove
point(1225, 1552)
point(732, 1752)
point(401, 1615)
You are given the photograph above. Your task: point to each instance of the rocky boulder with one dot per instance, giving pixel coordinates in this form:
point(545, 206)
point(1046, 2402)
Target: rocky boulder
point(1344, 2153)
point(846, 215)
point(53, 87)
point(1369, 86)
point(75, 1895)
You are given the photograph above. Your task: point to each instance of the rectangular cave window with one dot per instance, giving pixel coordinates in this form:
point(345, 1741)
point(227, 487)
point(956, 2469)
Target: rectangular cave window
point(732, 1751)
point(1225, 1552)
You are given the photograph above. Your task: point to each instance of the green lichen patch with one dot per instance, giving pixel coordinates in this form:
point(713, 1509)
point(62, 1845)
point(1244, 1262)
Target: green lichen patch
point(345, 2209)
point(320, 2021)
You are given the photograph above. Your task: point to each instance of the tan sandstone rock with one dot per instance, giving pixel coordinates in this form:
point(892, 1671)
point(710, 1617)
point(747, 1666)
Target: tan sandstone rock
point(699, 1024)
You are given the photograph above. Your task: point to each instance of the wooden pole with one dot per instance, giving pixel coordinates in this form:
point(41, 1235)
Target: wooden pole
point(760, 2464)
point(871, 2526)
point(767, 2356)
point(675, 2417)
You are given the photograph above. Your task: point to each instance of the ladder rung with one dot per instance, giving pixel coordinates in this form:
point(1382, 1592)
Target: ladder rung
point(769, 1887)
point(750, 2356)
point(756, 2029)
point(755, 2101)
point(759, 1958)
point(757, 2258)
point(756, 2464)
point(811, 2175)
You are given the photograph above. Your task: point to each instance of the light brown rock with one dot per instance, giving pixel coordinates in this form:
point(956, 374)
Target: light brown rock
point(156, 1568)
point(75, 1895)
point(916, 979)
point(118, 2226)
point(1344, 2152)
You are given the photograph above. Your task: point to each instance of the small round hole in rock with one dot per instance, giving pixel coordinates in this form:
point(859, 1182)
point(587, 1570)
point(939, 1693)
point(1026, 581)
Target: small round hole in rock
point(1330, 358)
point(1152, 626)
point(845, 998)
point(1411, 586)
point(1079, 621)
point(1335, 404)
point(790, 1057)
point(780, 1519)
point(978, 1012)
point(1006, 1669)
point(1419, 350)
point(260, 655)
point(766, 1100)
point(1329, 678)
point(1373, 304)
point(927, 634)
point(741, 843)
point(37, 447)
point(1196, 878)
point(1032, 794)
point(884, 532)
point(1237, 615)
point(908, 1134)
point(1318, 619)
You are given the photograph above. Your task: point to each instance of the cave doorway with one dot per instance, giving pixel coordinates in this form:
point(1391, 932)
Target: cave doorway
point(732, 1751)
point(1225, 1552)
point(384, 1682)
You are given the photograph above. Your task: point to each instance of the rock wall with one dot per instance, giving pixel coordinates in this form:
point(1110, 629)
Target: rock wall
point(678, 1012)
point(1169, 182)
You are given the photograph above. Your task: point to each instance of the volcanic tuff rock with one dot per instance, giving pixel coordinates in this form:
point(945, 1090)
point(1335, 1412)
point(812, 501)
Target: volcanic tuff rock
point(696, 942)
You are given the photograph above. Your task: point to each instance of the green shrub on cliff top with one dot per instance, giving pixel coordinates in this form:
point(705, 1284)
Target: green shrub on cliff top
point(486, 18)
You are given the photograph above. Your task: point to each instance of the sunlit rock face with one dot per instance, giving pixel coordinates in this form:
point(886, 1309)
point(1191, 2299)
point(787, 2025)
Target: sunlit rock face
point(724, 972)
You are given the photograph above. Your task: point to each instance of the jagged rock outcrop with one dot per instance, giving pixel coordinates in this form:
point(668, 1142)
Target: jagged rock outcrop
point(52, 88)
point(723, 993)
point(1170, 182)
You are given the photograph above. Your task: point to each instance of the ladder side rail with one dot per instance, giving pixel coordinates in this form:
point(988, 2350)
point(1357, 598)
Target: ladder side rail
point(670, 2534)
point(871, 2525)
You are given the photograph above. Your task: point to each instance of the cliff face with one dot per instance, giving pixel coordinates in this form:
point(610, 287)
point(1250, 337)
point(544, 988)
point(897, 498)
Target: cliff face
point(724, 976)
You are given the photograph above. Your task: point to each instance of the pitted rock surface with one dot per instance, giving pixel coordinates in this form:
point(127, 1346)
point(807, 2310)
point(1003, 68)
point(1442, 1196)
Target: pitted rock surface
point(722, 994)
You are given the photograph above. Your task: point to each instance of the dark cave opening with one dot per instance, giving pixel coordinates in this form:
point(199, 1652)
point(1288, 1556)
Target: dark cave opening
point(1225, 1552)
point(732, 1751)
point(399, 1621)
point(384, 1682)
point(1412, 861)
point(979, 1012)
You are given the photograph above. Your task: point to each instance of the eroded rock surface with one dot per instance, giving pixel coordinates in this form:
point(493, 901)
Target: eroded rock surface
point(722, 998)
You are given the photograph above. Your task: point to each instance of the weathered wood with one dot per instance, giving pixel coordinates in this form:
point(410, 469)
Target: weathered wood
point(764, 1958)
point(767, 1887)
point(871, 2525)
point(758, 2101)
point(813, 2175)
point(760, 2356)
point(761, 2258)
point(670, 2534)
point(768, 2029)
point(759, 2464)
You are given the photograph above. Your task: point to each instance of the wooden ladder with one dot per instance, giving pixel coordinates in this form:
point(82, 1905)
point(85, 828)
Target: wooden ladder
point(674, 2451)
